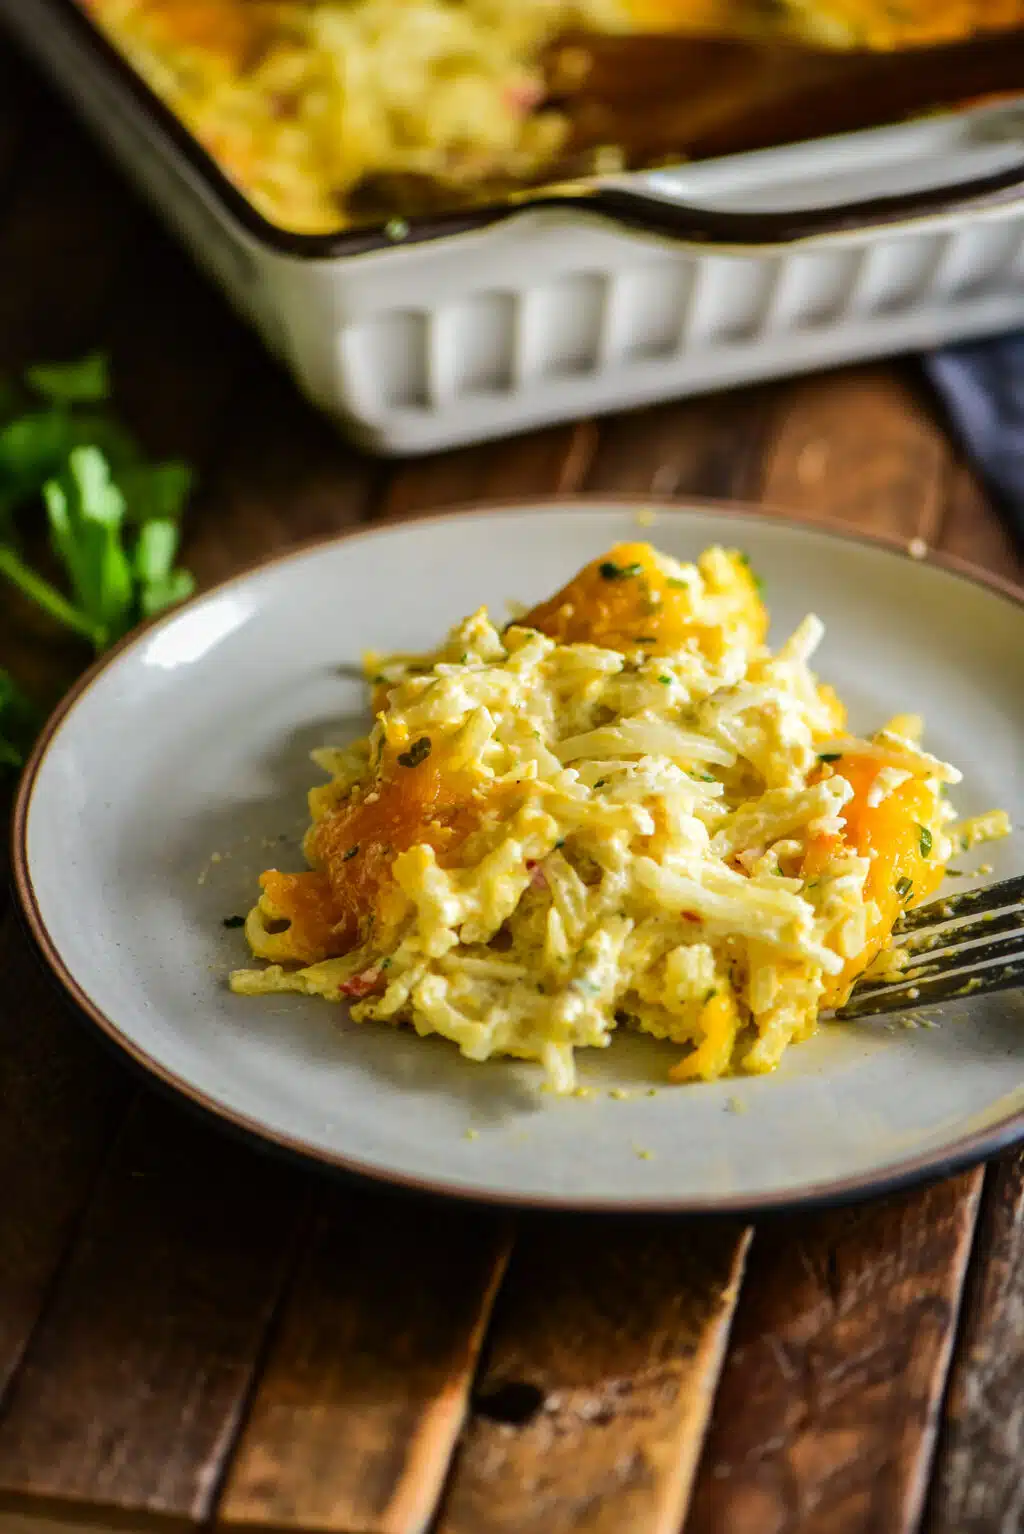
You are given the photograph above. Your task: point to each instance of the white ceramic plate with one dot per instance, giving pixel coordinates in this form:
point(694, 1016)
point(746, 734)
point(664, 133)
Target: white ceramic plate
point(178, 769)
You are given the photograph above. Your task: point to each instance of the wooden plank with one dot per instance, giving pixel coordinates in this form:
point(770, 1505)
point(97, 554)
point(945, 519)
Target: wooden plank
point(826, 1412)
point(601, 1364)
point(285, 475)
point(707, 446)
point(135, 1380)
point(178, 352)
point(365, 1390)
point(552, 462)
point(978, 1485)
point(972, 530)
point(63, 1097)
point(858, 448)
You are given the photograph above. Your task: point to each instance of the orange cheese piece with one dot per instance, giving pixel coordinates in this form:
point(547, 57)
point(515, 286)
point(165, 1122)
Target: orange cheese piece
point(624, 601)
point(350, 893)
point(901, 873)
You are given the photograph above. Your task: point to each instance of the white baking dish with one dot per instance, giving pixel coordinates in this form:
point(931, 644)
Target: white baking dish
point(654, 285)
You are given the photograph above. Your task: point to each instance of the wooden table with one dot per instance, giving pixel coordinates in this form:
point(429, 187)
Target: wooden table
point(192, 1332)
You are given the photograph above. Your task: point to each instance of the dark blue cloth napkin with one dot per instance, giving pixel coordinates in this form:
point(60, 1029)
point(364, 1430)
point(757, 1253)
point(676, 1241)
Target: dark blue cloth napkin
point(981, 385)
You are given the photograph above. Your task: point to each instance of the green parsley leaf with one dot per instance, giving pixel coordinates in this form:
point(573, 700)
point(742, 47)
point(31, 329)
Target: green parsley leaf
point(351, 853)
point(758, 582)
point(85, 382)
point(613, 572)
point(924, 840)
point(86, 514)
point(155, 491)
point(160, 585)
point(666, 681)
point(417, 753)
point(830, 756)
point(904, 887)
point(35, 446)
point(113, 518)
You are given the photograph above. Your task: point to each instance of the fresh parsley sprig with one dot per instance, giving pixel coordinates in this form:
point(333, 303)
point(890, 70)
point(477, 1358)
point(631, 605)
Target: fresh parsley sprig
point(113, 517)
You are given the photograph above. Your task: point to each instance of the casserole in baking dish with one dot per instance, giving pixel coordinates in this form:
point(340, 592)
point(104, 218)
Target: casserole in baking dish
point(555, 302)
point(326, 113)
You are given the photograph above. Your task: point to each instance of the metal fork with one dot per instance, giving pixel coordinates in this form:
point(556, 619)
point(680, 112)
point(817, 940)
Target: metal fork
point(959, 945)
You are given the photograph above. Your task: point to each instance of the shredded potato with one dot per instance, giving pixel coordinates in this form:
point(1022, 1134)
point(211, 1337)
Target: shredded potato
point(623, 810)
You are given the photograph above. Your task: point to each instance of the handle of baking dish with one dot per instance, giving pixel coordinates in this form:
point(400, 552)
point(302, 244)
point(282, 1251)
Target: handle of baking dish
point(657, 213)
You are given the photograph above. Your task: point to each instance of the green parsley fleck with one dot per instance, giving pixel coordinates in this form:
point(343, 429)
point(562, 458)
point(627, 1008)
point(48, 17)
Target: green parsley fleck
point(703, 777)
point(417, 753)
point(610, 571)
point(666, 681)
point(758, 582)
point(560, 842)
point(233, 921)
point(904, 887)
point(676, 583)
point(924, 840)
point(644, 639)
point(396, 228)
point(600, 782)
point(830, 756)
point(584, 986)
point(709, 996)
point(351, 852)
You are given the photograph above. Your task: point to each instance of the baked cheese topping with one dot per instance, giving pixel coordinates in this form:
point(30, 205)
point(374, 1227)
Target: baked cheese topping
point(327, 112)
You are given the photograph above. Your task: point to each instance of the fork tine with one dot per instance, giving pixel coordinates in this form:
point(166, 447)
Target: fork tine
point(929, 941)
point(971, 903)
point(909, 995)
point(954, 960)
